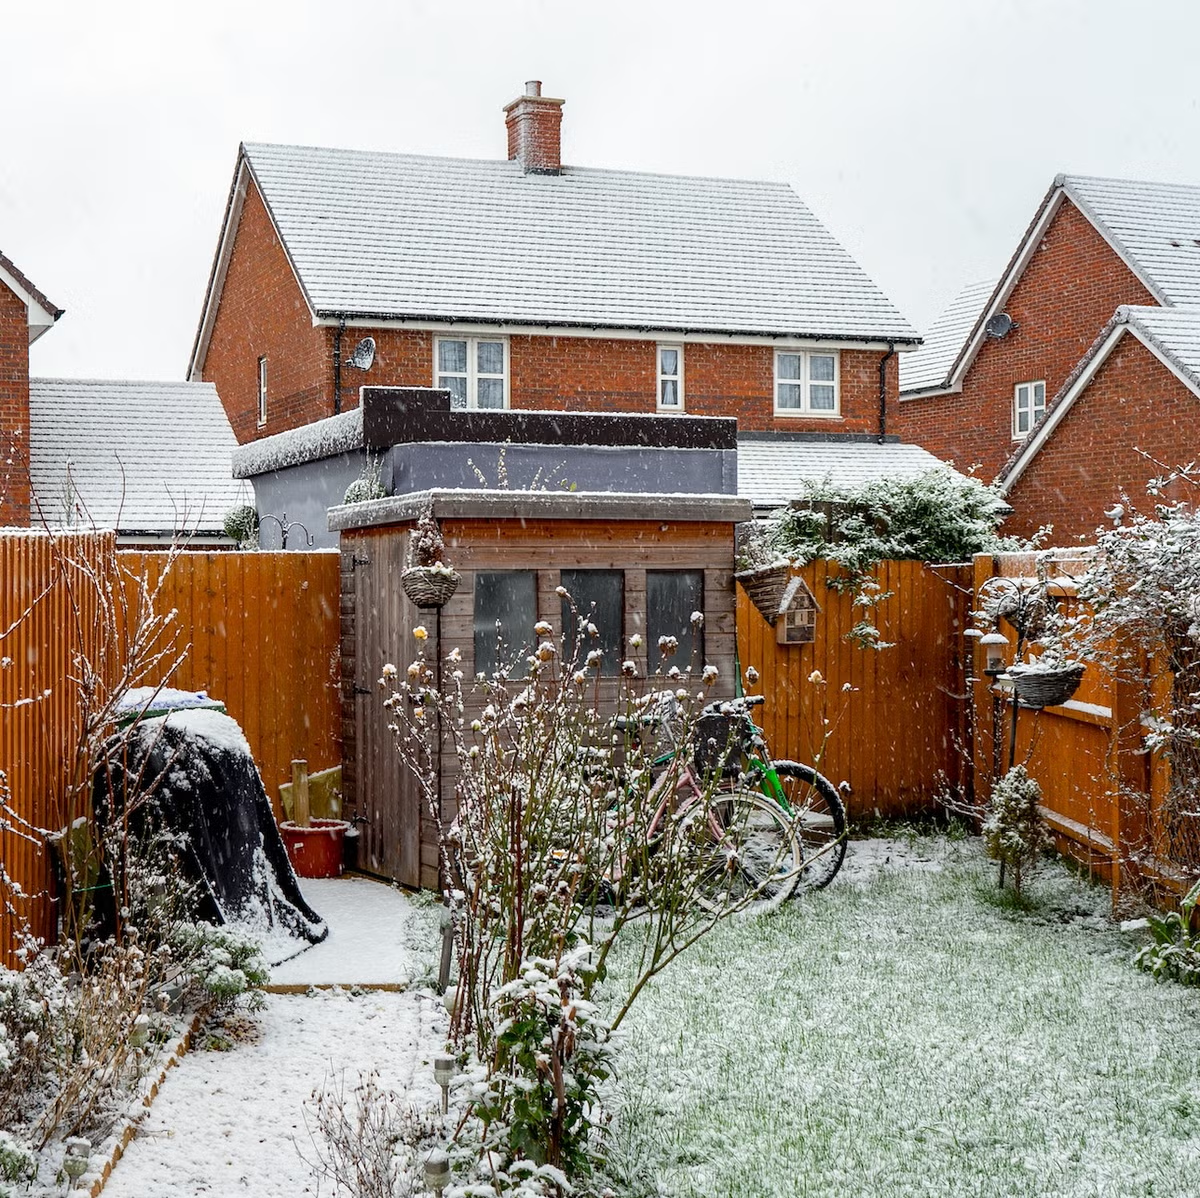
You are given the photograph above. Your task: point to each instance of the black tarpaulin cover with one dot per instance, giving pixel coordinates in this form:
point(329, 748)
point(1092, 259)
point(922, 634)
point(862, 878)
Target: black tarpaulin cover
point(193, 776)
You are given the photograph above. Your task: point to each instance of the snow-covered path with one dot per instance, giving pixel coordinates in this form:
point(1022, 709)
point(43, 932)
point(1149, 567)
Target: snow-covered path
point(232, 1122)
point(229, 1123)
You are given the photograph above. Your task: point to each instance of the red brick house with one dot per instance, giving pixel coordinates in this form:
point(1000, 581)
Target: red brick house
point(527, 283)
point(25, 314)
point(1002, 356)
point(1128, 413)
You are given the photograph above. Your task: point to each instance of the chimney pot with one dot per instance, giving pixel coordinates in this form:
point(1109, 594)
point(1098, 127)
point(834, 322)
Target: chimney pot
point(534, 131)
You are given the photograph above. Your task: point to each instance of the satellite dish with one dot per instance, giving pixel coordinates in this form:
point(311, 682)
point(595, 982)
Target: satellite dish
point(363, 355)
point(1000, 325)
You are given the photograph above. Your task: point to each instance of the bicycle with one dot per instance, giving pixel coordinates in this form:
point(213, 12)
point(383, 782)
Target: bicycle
point(749, 853)
point(727, 738)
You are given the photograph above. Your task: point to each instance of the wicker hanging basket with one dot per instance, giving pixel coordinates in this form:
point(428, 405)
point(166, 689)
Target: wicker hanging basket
point(1046, 688)
point(428, 587)
point(765, 587)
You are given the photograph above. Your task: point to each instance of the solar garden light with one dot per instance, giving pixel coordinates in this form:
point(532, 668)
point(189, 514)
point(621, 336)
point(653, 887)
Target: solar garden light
point(444, 1069)
point(994, 645)
point(139, 1034)
point(437, 1171)
point(75, 1161)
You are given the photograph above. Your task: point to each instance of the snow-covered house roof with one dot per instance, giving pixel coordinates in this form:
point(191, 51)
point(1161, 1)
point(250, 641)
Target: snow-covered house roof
point(929, 367)
point(1154, 228)
point(42, 313)
point(399, 237)
point(141, 457)
point(772, 472)
point(1171, 334)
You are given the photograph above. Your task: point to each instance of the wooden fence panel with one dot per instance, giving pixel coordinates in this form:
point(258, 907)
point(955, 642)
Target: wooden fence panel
point(895, 713)
point(48, 613)
point(263, 634)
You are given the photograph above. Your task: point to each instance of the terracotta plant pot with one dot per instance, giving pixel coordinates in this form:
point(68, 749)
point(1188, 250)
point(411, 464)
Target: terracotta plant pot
point(316, 851)
point(427, 587)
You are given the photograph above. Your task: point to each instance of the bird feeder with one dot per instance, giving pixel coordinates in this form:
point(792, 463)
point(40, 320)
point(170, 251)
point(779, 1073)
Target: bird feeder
point(995, 645)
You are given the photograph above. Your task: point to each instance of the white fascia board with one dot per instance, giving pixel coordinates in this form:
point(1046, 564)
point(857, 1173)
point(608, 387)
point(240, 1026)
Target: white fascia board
point(1040, 435)
point(1004, 288)
point(930, 392)
point(220, 268)
point(39, 318)
point(599, 332)
point(1116, 247)
point(243, 177)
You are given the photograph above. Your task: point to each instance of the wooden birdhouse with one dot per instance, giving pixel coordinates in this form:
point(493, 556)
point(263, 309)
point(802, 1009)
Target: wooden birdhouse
point(797, 620)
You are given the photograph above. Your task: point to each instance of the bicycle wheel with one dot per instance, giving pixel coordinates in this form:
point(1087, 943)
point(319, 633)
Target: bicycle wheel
point(750, 856)
point(819, 819)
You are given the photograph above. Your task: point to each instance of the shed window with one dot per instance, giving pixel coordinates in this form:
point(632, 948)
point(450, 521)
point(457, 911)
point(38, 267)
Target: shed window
point(671, 597)
point(599, 598)
point(505, 613)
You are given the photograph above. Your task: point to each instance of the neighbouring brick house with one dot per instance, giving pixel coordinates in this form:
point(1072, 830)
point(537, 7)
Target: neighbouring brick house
point(25, 314)
point(148, 459)
point(1005, 354)
point(1129, 413)
point(529, 284)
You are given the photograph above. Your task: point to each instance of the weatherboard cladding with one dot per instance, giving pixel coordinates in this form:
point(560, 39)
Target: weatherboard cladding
point(144, 456)
point(397, 236)
point(929, 366)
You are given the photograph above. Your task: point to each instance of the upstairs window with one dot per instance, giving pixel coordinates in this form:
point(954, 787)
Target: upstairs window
point(806, 383)
point(473, 369)
point(670, 378)
point(262, 392)
point(1029, 406)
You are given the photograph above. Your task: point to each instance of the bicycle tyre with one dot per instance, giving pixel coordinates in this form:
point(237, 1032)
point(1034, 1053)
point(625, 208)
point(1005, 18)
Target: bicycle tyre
point(766, 859)
point(820, 822)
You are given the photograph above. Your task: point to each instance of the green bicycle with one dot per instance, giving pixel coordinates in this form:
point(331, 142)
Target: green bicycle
point(728, 739)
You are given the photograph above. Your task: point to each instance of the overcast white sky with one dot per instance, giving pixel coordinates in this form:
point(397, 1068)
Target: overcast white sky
point(923, 133)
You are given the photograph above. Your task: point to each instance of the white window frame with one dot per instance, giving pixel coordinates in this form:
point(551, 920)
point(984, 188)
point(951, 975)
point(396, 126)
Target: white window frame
point(807, 412)
point(472, 373)
point(677, 347)
point(262, 390)
point(1032, 409)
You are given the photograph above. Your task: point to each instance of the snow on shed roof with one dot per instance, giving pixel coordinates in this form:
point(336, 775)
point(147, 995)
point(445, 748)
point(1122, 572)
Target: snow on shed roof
point(772, 472)
point(403, 236)
point(166, 445)
point(1172, 334)
point(929, 366)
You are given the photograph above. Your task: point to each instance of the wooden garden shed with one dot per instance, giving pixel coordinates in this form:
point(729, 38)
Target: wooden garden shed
point(646, 561)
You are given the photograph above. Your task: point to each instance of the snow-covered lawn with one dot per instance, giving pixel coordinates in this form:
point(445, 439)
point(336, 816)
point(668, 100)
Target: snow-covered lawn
point(905, 1033)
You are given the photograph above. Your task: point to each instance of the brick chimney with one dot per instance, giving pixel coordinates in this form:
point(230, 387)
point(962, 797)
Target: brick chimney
point(534, 126)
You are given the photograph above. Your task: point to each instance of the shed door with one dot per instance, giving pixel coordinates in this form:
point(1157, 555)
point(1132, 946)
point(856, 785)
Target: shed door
point(386, 791)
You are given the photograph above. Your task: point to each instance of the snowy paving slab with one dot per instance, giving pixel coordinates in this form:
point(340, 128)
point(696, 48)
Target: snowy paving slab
point(230, 1122)
point(378, 935)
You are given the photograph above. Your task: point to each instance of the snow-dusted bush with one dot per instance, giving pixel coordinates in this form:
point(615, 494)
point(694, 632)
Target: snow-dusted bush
point(426, 548)
point(1013, 829)
point(553, 854)
point(241, 526)
point(218, 967)
point(368, 485)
